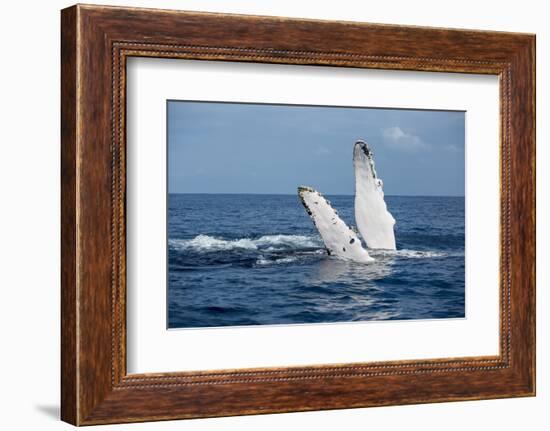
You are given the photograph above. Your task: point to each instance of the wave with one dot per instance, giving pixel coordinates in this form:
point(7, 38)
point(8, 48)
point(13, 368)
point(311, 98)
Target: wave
point(409, 254)
point(205, 243)
point(262, 261)
point(269, 247)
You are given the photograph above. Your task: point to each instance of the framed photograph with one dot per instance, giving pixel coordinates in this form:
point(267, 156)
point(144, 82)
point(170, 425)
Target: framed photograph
point(265, 214)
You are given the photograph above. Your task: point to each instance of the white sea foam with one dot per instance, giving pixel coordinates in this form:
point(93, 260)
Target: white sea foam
point(410, 254)
point(275, 243)
point(268, 242)
point(262, 261)
point(294, 241)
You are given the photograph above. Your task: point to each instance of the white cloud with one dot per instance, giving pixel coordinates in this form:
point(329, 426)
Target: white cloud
point(451, 148)
point(322, 151)
point(396, 138)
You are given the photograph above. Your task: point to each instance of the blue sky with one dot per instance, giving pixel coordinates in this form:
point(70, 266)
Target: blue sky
point(260, 148)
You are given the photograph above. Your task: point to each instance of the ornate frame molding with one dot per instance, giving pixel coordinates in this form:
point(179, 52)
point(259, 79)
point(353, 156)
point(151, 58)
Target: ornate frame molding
point(96, 41)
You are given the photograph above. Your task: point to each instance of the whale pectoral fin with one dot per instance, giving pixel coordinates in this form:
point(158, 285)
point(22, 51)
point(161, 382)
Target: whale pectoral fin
point(340, 240)
point(374, 221)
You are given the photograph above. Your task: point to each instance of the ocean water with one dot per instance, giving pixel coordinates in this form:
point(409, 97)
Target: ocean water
point(258, 260)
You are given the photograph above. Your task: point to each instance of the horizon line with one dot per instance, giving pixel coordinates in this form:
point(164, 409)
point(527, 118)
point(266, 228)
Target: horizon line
point(295, 194)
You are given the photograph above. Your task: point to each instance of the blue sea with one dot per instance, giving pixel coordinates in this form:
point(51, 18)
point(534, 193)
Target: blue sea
point(238, 259)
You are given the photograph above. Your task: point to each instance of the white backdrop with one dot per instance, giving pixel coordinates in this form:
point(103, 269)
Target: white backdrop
point(29, 227)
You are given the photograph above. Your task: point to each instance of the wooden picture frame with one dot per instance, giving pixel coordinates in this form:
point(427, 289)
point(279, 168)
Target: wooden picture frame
point(95, 43)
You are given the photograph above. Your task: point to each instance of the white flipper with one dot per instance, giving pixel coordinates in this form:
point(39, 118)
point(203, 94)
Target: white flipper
point(340, 240)
point(374, 221)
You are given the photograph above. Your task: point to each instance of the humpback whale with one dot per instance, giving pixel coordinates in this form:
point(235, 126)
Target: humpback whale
point(374, 221)
point(340, 239)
